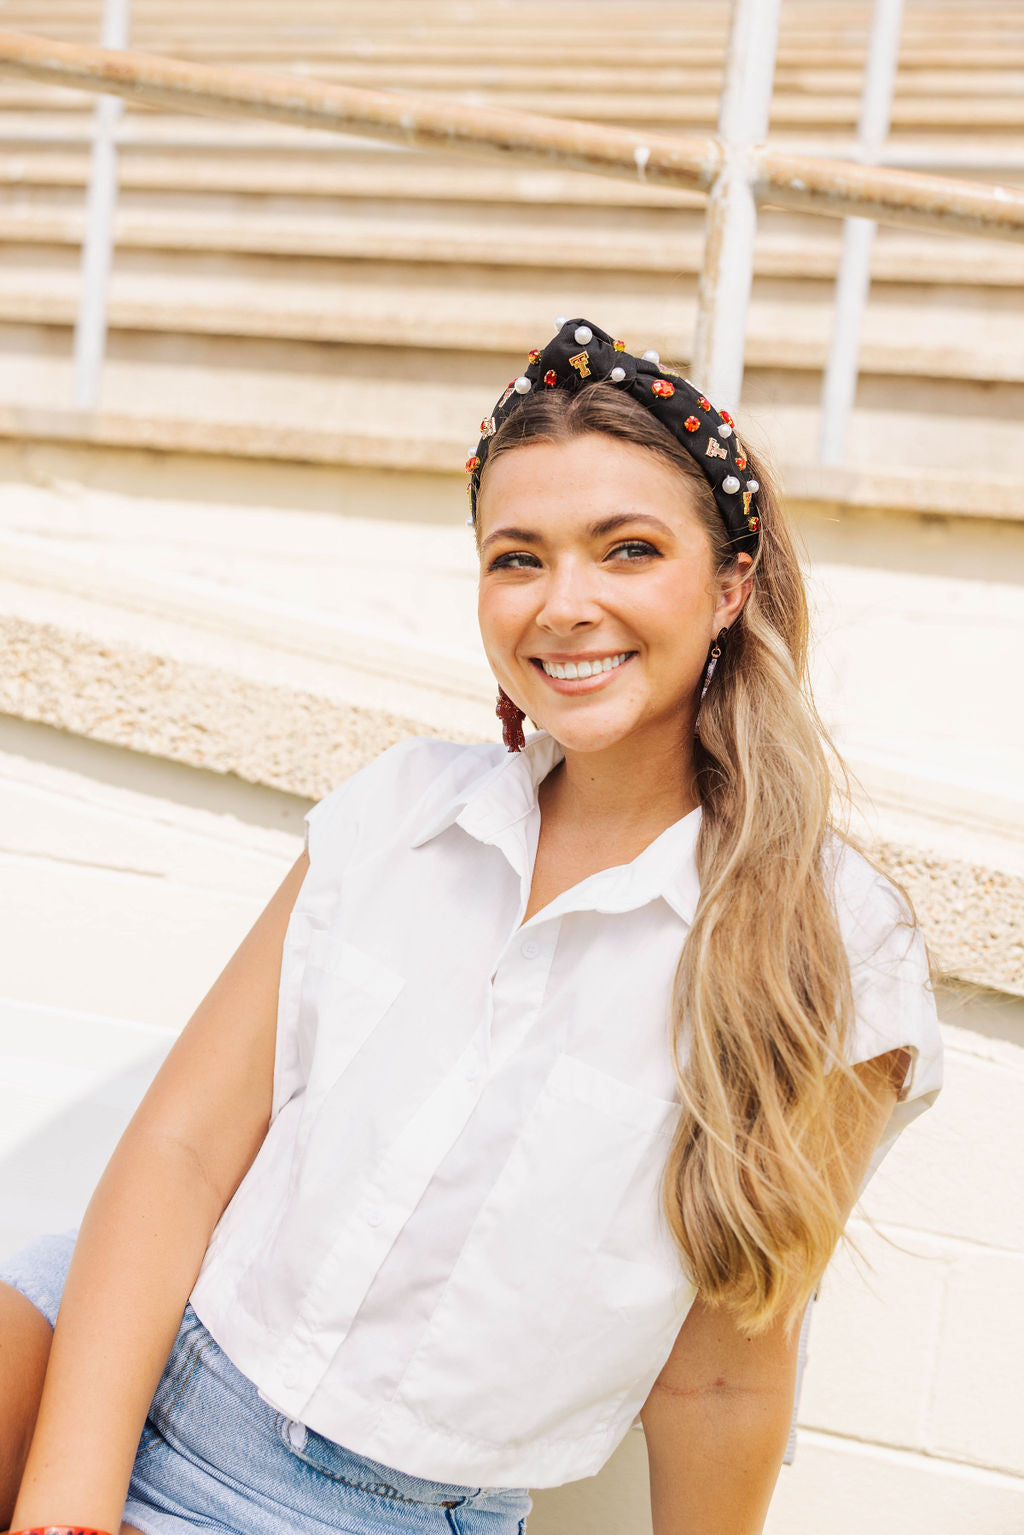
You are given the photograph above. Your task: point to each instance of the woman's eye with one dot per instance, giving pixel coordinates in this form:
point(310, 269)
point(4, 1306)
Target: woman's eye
point(633, 549)
point(636, 548)
point(511, 561)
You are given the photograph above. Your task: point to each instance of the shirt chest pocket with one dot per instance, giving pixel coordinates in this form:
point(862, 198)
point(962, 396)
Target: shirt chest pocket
point(344, 993)
point(537, 1289)
point(583, 1176)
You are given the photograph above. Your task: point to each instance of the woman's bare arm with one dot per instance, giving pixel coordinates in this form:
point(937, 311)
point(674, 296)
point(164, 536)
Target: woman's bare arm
point(146, 1230)
point(717, 1418)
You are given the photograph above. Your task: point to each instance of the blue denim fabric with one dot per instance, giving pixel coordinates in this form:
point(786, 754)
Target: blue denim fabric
point(214, 1456)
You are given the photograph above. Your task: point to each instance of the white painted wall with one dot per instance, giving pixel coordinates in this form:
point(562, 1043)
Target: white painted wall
point(125, 884)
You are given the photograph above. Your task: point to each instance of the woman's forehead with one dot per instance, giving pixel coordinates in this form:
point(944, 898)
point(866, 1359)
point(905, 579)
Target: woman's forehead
point(556, 483)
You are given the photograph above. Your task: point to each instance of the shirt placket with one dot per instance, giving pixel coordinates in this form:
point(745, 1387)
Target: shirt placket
point(518, 989)
point(402, 1175)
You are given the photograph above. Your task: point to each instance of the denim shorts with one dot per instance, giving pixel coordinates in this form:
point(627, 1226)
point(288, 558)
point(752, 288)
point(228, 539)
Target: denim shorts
point(214, 1456)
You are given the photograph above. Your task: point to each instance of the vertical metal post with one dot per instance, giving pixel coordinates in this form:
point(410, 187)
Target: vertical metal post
point(101, 206)
point(724, 293)
point(853, 280)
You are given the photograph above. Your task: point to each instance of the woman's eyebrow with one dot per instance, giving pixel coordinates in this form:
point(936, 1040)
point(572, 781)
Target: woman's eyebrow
point(595, 530)
point(621, 519)
point(520, 535)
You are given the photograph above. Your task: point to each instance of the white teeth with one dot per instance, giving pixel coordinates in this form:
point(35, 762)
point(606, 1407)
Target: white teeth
point(570, 671)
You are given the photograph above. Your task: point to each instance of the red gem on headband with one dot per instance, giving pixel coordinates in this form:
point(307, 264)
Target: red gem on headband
point(663, 387)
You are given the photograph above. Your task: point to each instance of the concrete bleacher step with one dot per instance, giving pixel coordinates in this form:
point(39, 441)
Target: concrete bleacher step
point(805, 28)
point(941, 334)
point(689, 112)
point(502, 232)
point(829, 120)
point(236, 154)
point(419, 469)
point(381, 175)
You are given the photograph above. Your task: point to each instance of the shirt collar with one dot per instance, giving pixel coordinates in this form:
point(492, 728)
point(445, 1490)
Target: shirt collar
point(507, 794)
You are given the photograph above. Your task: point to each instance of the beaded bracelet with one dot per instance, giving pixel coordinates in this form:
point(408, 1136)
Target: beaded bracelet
point(60, 1529)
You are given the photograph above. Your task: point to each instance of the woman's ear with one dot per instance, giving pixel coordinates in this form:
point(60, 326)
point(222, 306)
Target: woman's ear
point(735, 588)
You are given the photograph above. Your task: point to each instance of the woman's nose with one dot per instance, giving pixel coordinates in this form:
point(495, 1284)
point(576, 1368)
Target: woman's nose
point(569, 597)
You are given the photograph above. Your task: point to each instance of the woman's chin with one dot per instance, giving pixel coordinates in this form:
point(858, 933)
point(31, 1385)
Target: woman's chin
point(581, 735)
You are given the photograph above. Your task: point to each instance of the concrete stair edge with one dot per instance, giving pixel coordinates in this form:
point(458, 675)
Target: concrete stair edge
point(911, 263)
point(350, 321)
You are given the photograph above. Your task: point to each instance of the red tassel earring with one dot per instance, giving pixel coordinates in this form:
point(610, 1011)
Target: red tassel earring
point(511, 717)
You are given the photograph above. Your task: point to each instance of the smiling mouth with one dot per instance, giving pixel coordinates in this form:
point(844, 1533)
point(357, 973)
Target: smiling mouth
point(572, 671)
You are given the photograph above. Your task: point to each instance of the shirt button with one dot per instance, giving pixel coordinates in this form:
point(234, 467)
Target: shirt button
point(530, 949)
point(374, 1216)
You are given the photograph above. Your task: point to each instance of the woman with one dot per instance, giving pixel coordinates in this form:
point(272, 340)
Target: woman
point(539, 1095)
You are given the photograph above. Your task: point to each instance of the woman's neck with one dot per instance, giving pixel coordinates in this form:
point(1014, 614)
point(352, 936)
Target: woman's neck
point(625, 792)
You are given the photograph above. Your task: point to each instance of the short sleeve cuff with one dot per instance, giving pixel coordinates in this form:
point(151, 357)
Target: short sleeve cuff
point(893, 999)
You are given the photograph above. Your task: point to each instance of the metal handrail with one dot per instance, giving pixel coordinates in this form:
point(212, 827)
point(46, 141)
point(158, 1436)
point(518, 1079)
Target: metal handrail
point(838, 188)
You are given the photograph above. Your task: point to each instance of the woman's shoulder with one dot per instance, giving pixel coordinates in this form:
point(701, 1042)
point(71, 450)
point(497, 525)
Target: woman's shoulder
point(412, 776)
point(864, 895)
point(890, 965)
point(890, 973)
point(421, 762)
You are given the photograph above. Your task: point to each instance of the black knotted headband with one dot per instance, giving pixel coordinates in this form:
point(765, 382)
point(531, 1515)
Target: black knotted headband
point(580, 354)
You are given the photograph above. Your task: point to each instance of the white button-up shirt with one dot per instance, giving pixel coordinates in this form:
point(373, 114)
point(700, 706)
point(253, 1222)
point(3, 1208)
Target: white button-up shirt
point(448, 1254)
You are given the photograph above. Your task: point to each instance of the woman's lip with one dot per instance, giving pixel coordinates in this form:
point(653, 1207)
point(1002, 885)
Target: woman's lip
point(581, 684)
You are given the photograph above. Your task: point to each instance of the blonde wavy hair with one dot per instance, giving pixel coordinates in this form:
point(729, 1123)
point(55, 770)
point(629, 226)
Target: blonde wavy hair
point(762, 997)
